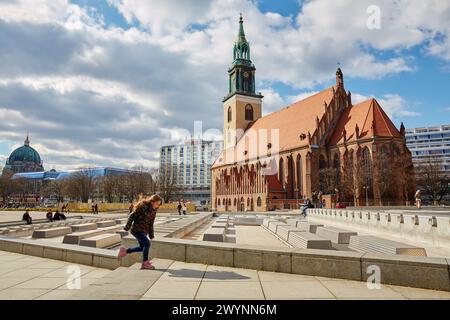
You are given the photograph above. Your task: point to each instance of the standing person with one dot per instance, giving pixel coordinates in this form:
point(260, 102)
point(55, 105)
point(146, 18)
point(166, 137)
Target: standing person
point(141, 224)
point(96, 208)
point(184, 208)
point(63, 208)
point(26, 217)
point(93, 209)
point(179, 207)
point(418, 199)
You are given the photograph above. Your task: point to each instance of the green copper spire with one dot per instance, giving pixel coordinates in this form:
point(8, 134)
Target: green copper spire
point(241, 34)
point(242, 71)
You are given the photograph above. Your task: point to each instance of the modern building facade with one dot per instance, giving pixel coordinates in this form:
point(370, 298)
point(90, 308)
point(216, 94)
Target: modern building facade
point(188, 167)
point(323, 144)
point(23, 159)
point(430, 143)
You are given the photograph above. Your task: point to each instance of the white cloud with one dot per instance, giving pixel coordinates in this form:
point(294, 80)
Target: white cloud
point(393, 104)
point(94, 94)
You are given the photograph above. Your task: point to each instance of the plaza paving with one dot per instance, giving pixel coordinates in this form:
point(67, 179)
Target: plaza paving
point(27, 277)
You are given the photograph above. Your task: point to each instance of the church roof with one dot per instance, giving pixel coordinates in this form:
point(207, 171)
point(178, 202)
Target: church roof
point(24, 153)
point(300, 118)
point(291, 121)
point(364, 115)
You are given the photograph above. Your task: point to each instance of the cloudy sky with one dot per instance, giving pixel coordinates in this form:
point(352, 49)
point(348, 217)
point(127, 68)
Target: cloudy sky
point(107, 82)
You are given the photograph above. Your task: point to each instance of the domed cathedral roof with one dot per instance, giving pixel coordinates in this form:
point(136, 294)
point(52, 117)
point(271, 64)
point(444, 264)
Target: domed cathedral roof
point(24, 159)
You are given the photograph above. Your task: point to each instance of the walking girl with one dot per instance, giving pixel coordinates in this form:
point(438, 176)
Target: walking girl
point(141, 222)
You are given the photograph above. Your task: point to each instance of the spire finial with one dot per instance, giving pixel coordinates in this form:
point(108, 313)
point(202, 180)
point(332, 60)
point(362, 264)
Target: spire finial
point(27, 139)
point(241, 34)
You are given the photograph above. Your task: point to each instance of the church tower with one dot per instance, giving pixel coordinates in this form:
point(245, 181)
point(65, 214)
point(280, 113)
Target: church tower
point(242, 105)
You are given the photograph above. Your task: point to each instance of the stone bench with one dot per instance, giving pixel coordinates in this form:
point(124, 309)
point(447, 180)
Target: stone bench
point(217, 224)
point(122, 233)
point(372, 244)
point(76, 237)
point(284, 231)
point(214, 234)
point(249, 221)
point(107, 223)
point(51, 233)
point(121, 220)
point(101, 241)
point(308, 226)
point(83, 227)
point(336, 235)
point(308, 240)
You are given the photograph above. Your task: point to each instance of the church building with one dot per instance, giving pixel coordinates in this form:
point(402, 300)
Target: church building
point(321, 145)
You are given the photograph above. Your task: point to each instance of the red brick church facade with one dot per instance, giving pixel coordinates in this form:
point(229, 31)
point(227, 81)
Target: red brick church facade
point(323, 143)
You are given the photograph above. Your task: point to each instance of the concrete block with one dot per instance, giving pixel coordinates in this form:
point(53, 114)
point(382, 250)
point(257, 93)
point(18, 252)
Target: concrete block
point(107, 223)
point(33, 250)
point(336, 235)
point(418, 272)
point(374, 244)
point(54, 253)
point(51, 233)
point(308, 240)
point(83, 227)
point(101, 241)
point(110, 263)
point(308, 226)
point(85, 258)
point(214, 234)
point(76, 237)
point(210, 254)
point(332, 264)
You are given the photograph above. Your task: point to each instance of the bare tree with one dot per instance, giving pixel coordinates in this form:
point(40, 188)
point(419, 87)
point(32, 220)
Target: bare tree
point(167, 186)
point(80, 185)
point(433, 180)
point(110, 186)
point(6, 187)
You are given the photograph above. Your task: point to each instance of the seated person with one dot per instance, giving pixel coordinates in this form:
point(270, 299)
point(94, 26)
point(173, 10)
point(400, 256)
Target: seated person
point(62, 216)
point(57, 216)
point(49, 215)
point(26, 217)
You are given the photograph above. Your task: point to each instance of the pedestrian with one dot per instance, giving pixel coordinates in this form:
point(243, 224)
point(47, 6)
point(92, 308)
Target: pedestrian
point(93, 209)
point(179, 208)
point(57, 216)
point(63, 208)
point(26, 217)
point(96, 208)
point(140, 222)
point(184, 208)
point(49, 215)
point(418, 199)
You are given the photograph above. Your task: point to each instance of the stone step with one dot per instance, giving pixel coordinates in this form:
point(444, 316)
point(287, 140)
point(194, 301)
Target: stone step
point(308, 240)
point(106, 223)
point(336, 235)
point(266, 222)
point(308, 226)
point(284, 231)
point(51, 233)
point(122, 233)
point(83, 227)
point(274, 225)
point(214, 234)
point(101, 241)
point(76, 237)
point(231, 238)
point(121, 220)
point(219, 225)
point(372, 244)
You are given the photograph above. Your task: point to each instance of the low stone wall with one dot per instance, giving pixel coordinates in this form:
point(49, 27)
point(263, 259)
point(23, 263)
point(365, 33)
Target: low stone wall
point(100, 258)
point(429, 229)
point(419, 272)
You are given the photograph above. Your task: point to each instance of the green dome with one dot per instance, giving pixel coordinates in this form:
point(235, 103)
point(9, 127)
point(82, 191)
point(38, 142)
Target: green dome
point(26, 154)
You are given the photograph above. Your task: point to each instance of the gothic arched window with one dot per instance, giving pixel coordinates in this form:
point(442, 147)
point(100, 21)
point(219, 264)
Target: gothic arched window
point(367, 166)
point(248, 113)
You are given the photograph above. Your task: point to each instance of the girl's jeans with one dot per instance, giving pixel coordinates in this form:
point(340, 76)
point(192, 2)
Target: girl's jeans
point(144, 245)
